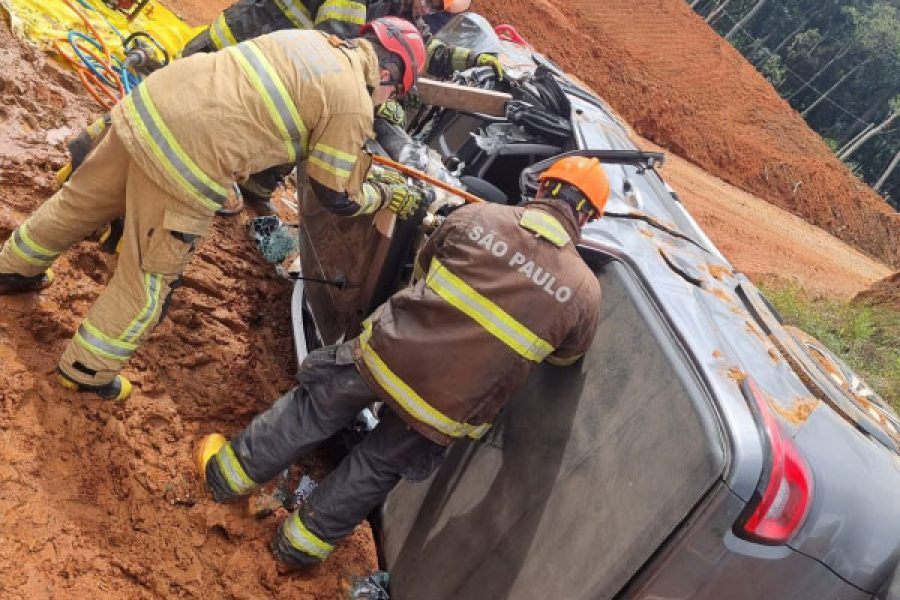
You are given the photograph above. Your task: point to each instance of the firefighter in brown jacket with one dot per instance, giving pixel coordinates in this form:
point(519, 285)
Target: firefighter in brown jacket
point(174, 147)
point(503, 290)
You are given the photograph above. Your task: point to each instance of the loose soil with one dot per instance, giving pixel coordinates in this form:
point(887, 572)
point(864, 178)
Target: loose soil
point(102, 500)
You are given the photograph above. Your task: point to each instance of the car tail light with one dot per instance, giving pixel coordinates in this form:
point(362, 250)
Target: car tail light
point(785, 490)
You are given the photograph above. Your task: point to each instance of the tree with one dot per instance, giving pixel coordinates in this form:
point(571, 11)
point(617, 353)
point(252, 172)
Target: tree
point(716, 11)
point(893, 114)
point(840, 54)
point(831, 89)
point(746, 19)
point(887, 172)
point(836, 61)
point(791, 35)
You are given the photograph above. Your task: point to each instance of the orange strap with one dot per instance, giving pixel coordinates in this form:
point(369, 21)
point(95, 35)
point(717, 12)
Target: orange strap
point(90, 82)
point(472, 198)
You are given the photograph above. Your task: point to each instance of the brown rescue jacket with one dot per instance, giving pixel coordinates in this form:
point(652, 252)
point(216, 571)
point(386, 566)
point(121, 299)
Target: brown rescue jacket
point(210, 119)
point(505, 289)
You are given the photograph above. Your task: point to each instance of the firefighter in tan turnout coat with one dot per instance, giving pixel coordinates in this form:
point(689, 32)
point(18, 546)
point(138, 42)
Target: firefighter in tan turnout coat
point(172, 151)
point(502, 290)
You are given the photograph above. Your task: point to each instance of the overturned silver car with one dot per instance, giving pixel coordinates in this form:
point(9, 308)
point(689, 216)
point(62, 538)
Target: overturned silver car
point(700, 450)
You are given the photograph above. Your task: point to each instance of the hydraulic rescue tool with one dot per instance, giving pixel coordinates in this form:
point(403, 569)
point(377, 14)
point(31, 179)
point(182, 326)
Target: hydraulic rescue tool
point(417, 174)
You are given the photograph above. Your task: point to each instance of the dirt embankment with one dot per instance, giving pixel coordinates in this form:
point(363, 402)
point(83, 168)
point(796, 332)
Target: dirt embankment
point(683, 87)
point(100, 499)
point(885, 292)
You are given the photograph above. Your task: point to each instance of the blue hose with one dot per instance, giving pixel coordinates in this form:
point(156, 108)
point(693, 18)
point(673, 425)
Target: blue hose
point(91, 8)
point(129, 79)
point(90, 63)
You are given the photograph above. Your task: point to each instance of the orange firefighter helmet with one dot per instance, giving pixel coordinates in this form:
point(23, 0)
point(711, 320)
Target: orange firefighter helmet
point(585, 175)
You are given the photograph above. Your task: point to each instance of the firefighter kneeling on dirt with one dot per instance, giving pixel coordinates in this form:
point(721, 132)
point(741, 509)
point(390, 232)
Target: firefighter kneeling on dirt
point(503, 290)
point(177, 143)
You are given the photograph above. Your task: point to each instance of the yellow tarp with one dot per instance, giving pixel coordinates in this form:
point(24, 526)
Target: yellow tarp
point(42, 22)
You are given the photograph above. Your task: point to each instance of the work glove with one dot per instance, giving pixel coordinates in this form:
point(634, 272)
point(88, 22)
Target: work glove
point(385, 175)
point(392, 112)
point(489, 60)
point(411, 100)
point(402, 200)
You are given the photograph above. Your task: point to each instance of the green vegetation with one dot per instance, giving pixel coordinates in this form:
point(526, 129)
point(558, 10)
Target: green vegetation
point(837, 62)
point(866, 337)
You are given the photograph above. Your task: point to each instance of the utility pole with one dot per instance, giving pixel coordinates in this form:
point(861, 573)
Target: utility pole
point(872, 132)
point(831, 89)
point(740, 24)
point(887, 172)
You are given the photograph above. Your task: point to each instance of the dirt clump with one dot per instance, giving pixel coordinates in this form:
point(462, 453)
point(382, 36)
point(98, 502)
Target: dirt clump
point(198, 12)
point(679, 84)
point(885, 292)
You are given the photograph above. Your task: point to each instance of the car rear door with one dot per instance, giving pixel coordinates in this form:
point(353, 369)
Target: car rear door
point(585, 475)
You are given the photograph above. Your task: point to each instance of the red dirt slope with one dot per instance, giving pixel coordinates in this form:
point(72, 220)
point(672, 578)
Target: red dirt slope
point(683, 87)
point(98, 499)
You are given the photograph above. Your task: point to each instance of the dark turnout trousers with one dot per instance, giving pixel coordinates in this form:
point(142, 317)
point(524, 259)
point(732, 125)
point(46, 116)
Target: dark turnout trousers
point(329, 396)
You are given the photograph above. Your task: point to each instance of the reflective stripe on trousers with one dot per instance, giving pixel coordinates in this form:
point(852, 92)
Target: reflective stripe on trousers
point(30, 251)
point(96, 342)
point(220, 34)
point(121, 348)
point(170, 154)
point(296, 13)
point(271, 88)
point(337, 162)
point(235, 476)
point(303, 539)
point(408, 399)
point(491, 317)
point(153, 285)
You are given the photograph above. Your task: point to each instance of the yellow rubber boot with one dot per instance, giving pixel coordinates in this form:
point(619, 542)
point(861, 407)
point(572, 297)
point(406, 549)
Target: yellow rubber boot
point(118, 389)
point(208, 448)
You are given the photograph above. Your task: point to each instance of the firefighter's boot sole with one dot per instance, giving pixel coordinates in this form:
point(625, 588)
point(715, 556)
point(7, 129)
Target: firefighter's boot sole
point(207, 448)
point(13, 283)
point(118, 389)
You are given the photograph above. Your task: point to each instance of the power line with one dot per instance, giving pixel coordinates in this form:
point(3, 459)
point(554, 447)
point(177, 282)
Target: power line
point(794, 73)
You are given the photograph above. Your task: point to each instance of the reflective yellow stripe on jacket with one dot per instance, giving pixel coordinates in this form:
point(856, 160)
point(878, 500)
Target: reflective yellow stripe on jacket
point(346, 11)
point(169, 153)
point(220, 33)
point(337, 162)
point(304, 540)
point(487, 314)
point(407, 397)
point(296, 13)
point(371, 200)
point(271, 88)
point(546, 226)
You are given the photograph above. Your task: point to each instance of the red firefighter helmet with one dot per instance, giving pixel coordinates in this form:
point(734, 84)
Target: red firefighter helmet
point(401, 37)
